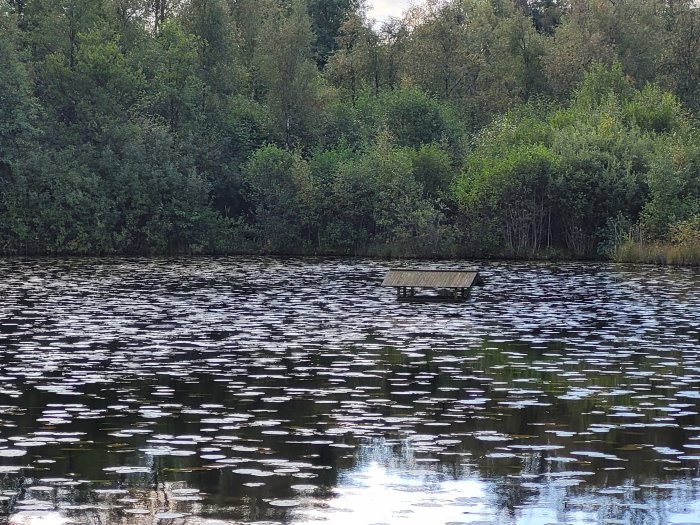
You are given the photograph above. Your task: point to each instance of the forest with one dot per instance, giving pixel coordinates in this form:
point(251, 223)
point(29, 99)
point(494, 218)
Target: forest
point(466, 128)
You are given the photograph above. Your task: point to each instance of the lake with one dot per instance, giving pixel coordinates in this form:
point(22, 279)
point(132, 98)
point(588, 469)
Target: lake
point(212, 391)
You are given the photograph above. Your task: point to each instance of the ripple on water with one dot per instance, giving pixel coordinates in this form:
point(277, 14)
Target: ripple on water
point(198, 391)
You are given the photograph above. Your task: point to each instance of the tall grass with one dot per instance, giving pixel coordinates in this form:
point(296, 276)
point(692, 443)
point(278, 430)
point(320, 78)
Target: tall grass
point(681, 249)
point(685, 254)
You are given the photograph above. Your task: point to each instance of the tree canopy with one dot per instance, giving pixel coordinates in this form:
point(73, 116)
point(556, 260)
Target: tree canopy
point(467, 127)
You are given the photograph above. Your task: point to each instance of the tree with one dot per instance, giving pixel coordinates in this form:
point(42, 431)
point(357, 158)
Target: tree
point(18, 6)
point(54, 26)
point(545, 14)
point(432, 168)
point(511, 193)
point(250, 19)
point(327, 18)
point(129, 20)
point(604, 156)
point(289, 73)
point(483, 57)
point(280, 191)
point(414, 118)
point(18, 125)
point(680, 55)
point(355, 60)
point(177, 94)
point(210, 23)
point(636, 29)
point(157, 126)
point(157, 202)
point(104, 83)
point(374, 201)
point(18, 108)
point(674, 186)
point(439, 56)
point(578, 43)
point(527, 47)
point(393, 40)
point(162, 10)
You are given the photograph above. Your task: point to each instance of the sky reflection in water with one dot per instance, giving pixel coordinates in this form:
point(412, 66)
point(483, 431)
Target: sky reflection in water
point(253, 390)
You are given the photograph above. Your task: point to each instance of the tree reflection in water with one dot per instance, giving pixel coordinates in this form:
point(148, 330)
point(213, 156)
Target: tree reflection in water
point(389, 484)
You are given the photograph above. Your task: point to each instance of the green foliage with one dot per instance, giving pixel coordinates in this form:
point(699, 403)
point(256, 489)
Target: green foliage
point(414, 118)
point(679, 66)
point(104, 82)
point(582, 169)
point(530, 123)
point(217, 55)
point(327, 17)
point(687, 232)
point(674, 186)
point(280, 188)
point(504, 127)
point(357, 64)
point(158, 205)
point(433, 169)
point(377, 202)
point(18, 108)
point(342, 123)
point(603, 160)
point(512, 193)
point(18, 124)
point(289, 74)
point(177, 97)
point(655, 110)
point(601, 84)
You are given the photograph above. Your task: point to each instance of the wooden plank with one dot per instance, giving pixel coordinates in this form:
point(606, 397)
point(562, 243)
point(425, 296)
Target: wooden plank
point(431, 278)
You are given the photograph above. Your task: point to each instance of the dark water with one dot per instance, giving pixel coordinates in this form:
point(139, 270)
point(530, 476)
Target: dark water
point(242, 390)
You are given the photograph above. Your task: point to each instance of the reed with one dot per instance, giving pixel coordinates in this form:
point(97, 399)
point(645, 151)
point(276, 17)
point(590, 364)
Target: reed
point(684, 254)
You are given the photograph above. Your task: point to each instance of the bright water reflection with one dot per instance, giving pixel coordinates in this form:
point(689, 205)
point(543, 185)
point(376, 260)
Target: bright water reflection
point(251, 390)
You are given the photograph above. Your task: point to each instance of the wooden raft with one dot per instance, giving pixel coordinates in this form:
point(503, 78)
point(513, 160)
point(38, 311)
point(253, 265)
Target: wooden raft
point(452, 285)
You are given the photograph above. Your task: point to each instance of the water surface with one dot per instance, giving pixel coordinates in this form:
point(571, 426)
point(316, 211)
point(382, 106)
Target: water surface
point(297, 391)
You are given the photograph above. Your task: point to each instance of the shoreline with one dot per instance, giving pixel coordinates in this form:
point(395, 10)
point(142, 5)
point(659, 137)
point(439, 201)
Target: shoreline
point(355, 256)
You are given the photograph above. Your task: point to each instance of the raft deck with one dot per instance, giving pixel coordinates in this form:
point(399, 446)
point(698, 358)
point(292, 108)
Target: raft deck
point(452, 285)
